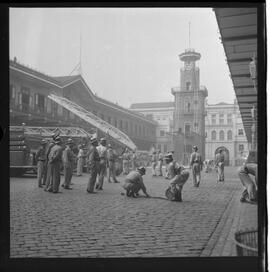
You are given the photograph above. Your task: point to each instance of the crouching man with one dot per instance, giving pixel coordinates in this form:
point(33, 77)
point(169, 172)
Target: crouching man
point(134, 183)
point(177, 176)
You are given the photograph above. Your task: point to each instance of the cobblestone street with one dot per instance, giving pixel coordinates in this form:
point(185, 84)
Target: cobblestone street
point(108, 224)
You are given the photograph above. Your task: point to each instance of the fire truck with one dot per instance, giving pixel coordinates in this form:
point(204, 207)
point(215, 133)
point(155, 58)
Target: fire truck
point(25, 141)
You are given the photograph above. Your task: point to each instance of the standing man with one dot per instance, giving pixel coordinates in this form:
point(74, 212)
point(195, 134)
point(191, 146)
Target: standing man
point(55, 160)
point(126, 158)
point(160, 163)
point(68, 163)
point(80, 158)
point(178, 177)
point(93, 165)
point(196, 166)
point(102, 151)
point(219, 162)
point(111, 164)
point(48, 173)
point(154, 163)
point(41, 158)
point(134, 158)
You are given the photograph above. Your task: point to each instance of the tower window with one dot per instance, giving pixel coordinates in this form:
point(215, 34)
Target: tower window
point(188, 86)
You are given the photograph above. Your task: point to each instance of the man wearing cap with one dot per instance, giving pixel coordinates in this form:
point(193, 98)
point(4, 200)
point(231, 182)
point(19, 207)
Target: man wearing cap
point(134, 183)
point(93, 165)
point(102, 151)
point(126, 159)
point(111, 164)
point(48, 166)
point(154, 163)
point(248, 169)
point(68, 163)
point(167, 172)
point(219, 163)
point(80, 158)
point(196, 165)
point(160, 163)
point(55, 160)
point(177, 176)
point(41, 158)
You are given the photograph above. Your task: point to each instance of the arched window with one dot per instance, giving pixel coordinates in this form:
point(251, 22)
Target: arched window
point(229, 135)
point(213, 135)
point(221, 135)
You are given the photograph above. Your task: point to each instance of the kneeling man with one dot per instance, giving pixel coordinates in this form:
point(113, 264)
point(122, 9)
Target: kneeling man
point(134, 183)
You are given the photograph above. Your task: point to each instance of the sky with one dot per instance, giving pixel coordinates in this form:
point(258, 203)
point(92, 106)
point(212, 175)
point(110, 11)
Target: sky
point(128, 55)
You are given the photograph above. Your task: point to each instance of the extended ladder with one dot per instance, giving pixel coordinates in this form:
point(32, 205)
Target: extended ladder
point(94, 120)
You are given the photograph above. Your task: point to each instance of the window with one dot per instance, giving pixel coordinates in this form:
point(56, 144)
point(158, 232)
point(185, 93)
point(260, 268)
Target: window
point(25, 99)
point(213, 119)
point(40, 102)
point(66, 113)
point(188, 86)
point(109, 120)
point(221, 135)
point(229, 135)
point(121, 124)
point(161, 133)
point(102, 116)
point(140, 130)
point(49, 106)
point(187, 129)
point(126, 126)
point(54, 108)
point(240, 132)
point(241, 147)
point(11, 92)
point(221, 119)
point(213, 135)
point(187, 106)
point(135, 129)
point(60, 110)
point(196, 126)
point(229, 118)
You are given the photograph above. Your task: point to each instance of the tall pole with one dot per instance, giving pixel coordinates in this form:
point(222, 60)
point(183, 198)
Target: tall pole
point(189, 34)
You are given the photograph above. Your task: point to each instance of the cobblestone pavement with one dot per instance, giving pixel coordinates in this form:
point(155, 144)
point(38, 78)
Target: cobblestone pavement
point(108, 224)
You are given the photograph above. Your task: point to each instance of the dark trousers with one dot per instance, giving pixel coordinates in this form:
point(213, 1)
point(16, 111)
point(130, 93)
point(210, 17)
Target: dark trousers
point(48, 184)
point(56, 176)
point(68, 175)
point(93, 171)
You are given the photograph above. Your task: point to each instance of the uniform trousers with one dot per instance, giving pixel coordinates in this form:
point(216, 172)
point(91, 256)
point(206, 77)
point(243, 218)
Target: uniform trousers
point(101, 173)
point(48, 184)
point(40, 171)
point(56, 167)
point(125, 167)
point(93, 171)
point(220, 168)
point(153, 167)
point(79, 166)
point(68, 171)
point(196, 173)
point(111, 172)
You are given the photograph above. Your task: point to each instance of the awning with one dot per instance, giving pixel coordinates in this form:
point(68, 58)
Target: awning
point(94, 120)
point(238, 30)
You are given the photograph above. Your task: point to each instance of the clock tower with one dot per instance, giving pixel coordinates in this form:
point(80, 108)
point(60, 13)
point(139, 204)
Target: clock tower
point(189, 113)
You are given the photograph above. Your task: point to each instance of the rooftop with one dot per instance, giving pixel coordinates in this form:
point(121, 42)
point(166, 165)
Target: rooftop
point(152, 105)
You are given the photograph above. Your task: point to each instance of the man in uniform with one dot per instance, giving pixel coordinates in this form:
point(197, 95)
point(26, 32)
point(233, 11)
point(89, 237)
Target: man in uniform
point(154, 163)
point(134, 160)
point(111, 164)
point(219, 162)
point(48, 166)
point(196, 166)
point(160, 163)
point(93, 165)
point(126, 159)
point(80, 158)
point(249, 168)
point(134, 183)
point(55, 160)
point(68, 163)
point(177, 176)
point(41, 158)
point(102, 151)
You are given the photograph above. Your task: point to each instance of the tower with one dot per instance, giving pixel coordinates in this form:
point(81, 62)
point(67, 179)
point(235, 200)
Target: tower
point(189, 114)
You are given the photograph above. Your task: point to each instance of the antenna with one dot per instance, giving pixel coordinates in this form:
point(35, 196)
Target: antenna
point(189, 33)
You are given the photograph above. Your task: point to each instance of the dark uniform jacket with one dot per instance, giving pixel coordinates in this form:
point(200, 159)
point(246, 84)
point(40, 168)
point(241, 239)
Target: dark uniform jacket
point(68, 157)
point(55, 155)
point(93, 157)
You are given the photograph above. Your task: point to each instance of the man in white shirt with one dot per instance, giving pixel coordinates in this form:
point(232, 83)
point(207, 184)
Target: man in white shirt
point(102, 151)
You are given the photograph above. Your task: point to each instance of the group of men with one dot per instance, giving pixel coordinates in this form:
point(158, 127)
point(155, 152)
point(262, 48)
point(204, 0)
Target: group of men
point(54, 155)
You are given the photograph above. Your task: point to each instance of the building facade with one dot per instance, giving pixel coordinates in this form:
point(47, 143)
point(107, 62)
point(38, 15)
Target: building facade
point(29, 104)
point(162, 113)
point(189, 112)
point(224, 130)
